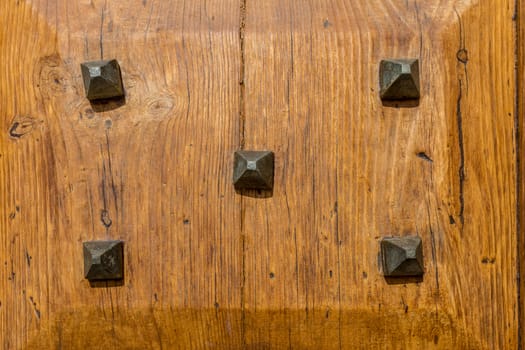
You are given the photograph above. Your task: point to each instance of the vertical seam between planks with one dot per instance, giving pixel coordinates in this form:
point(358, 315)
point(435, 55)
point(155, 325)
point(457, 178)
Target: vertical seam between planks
point(517, 141)
point(242, 109)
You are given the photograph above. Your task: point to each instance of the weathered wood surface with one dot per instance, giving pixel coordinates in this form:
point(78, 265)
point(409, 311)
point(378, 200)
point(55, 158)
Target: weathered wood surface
point(520, 123)
point(207, 267)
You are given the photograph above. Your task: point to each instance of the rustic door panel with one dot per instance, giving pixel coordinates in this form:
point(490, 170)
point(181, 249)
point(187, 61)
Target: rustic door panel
point(297, 267)
point(353, 170)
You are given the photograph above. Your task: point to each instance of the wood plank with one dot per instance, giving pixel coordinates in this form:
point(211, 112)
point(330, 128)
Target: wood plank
point(297, 268)
point(350, 170)
point(520, 136)
point(154, 172)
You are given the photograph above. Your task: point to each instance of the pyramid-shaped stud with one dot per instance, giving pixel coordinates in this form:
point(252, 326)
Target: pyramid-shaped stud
point(102, 79)
point(103, 260)
point(402, 256)
point(253, 170)
point(399, 79)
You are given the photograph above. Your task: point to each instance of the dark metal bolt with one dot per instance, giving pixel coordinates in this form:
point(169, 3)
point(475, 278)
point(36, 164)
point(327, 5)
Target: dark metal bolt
point(103, 260)
point(253, 170)
point(402, 256)
point(102, 79)
point(399, 79)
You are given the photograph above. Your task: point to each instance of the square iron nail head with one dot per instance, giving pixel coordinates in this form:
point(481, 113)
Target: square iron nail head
point(253, 170)
point(399, 79)
point(103, 260)
point(402, 256)
point(102, 79)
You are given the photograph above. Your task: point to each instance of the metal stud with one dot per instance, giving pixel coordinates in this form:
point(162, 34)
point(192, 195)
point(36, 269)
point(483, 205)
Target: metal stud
point(253, 170)
point(399, 79)
point(102, 79)
point(402, 256)
point(103, 260)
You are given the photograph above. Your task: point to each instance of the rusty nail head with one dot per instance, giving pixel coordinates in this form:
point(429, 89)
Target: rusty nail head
point(399, 79)
point(102, 79)
point(103, 260)
point(402, 256)
point(253, 170)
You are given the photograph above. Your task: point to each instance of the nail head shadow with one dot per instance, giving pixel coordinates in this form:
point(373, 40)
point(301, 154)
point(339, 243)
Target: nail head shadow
point(403, 279)
point(412, 103)
point(254, 193)
point(108, 104)
point(107, 283)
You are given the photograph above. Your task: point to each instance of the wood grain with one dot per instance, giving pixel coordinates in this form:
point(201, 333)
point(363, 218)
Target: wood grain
point(520, 137)
point(154, 172)
point(350, 170)
point(298, 267)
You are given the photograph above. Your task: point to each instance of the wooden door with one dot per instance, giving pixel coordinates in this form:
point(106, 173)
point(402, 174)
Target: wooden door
point(209, 267)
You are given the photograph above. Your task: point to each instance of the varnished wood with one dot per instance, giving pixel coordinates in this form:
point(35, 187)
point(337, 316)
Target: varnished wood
point(520, 136)
point(154, 172)
point(352, 170)
point(298, 267)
